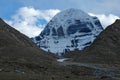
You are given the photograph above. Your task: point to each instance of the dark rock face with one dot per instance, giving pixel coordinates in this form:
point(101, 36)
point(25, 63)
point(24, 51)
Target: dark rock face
point(60, 32)
point(79, 27)
point(38, 38)
point(46, 32)
point(54, 33)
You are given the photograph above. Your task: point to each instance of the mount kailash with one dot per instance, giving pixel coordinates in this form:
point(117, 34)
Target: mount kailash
point(69, 30)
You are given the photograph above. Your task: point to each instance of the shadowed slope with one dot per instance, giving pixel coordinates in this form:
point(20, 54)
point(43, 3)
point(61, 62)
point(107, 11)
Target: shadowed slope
point(14, 44)
point(105, 49)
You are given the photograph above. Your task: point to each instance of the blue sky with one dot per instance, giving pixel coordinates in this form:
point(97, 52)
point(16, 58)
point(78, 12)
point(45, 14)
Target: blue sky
point(11, 10)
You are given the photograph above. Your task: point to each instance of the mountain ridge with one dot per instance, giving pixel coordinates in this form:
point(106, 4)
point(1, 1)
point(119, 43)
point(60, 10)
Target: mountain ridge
point(15, 46)
point(105, 48)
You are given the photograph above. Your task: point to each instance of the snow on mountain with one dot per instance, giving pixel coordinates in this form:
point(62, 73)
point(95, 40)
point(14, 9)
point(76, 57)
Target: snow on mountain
point(69, 30)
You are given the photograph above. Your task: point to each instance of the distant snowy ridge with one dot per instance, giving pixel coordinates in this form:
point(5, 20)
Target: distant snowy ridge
point(69, 30)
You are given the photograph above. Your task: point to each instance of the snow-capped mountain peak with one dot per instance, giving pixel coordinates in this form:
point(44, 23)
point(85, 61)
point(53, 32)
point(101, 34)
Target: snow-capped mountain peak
point(69, 30)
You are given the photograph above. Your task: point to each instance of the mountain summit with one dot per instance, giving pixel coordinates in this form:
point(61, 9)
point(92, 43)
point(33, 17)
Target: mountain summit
point(69, 30)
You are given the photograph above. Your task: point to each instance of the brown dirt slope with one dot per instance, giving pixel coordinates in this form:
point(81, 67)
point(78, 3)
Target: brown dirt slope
point(13, 44)
point(21, 59)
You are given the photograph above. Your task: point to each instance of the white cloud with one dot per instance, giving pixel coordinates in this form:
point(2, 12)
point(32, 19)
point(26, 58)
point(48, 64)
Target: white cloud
point(26, 20)
point(105, 19)
point(49, 14)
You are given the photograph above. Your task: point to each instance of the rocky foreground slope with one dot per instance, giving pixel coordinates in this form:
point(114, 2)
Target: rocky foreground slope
point(16, 46)
point(21, 59)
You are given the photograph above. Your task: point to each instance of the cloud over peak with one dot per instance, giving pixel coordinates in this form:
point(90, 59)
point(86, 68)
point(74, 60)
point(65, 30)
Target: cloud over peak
point(26, 20)
point(105, 19)
point(31, 21)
